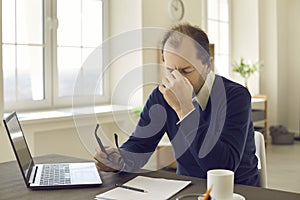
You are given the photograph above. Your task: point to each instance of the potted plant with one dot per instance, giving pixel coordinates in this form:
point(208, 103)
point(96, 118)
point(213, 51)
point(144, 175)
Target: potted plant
point(245, 69)
point(137, 111)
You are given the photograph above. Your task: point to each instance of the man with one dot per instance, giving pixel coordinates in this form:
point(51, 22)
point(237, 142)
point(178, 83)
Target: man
point(206, 117)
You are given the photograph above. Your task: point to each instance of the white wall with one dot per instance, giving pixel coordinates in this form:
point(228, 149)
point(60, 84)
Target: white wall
point(60, 135)
point(245, 38)
point(283, 66)
point(125, 17)
point(154, 15)
point(279, 49)
point(293, 62)
point(268, 49)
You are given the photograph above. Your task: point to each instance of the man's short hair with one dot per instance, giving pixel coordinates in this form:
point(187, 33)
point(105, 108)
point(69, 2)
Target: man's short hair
point(175, 34)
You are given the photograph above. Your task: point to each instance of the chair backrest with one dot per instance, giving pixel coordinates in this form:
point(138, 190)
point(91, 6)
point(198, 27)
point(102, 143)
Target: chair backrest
point(261, 155)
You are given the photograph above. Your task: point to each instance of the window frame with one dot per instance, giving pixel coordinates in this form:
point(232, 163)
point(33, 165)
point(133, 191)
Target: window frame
point(205, 25)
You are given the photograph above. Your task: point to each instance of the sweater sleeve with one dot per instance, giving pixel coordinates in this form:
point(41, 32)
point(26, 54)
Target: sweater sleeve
point(149, 131)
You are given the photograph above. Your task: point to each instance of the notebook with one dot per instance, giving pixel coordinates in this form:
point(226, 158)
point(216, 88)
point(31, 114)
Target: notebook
point(51, 175)
point(142, 187)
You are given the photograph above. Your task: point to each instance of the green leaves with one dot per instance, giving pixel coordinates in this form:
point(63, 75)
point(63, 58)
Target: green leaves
point(245, 69)
point(137, 111)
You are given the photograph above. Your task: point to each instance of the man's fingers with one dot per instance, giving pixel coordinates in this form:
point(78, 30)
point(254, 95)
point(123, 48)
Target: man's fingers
point(100, 154)
point(187, 81)
point(103, 167)
point(176, 74)
point(162, 88)
point(112, 150)
point(179, 76)
point(104, 164)
point(165, 82)
point(174, 78)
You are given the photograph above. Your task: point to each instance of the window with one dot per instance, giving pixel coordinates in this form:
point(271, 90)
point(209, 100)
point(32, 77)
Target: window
point(218, 23)
point(23, 47)
point(45, 43)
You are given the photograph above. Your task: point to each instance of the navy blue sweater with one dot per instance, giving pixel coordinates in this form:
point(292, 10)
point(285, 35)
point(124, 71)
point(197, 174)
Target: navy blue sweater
point(220, 136)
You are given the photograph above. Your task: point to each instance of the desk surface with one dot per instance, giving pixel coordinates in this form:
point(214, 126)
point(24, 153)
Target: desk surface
point(12, 185)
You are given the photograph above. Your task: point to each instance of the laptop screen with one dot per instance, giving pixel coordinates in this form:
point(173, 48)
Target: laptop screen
point(19, 144)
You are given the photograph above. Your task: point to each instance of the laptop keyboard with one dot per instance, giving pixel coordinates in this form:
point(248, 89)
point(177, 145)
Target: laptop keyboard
point(55, 174)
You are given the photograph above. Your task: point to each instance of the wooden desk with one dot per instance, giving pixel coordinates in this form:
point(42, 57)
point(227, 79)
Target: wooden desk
point(12, 185)
point(260, 114)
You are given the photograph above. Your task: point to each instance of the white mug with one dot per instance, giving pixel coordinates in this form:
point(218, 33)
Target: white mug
point(221, 182)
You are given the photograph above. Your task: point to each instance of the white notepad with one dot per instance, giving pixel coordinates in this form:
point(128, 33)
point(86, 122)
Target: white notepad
point(156, 188)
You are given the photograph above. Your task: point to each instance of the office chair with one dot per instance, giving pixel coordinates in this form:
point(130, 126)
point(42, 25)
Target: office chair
point(261, 155)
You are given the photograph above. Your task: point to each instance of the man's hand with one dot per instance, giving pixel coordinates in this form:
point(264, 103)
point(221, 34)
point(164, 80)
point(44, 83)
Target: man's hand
point(178, 92)
point(110, 162)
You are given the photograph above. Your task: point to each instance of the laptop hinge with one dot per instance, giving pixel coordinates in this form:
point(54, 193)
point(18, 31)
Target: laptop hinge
point(33, 175)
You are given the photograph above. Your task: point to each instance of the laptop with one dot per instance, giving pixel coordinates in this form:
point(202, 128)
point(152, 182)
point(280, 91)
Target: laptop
point(52, 175)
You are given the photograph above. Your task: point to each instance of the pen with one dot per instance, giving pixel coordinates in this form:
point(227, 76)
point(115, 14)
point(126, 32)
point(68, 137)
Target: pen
point(130, 188)
point(206, 196)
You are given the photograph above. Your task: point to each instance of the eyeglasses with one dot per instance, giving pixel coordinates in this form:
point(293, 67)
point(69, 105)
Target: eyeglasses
point(121, 161)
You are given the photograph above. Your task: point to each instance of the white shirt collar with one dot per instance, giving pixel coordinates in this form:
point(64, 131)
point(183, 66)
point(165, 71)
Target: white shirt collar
point(204, 93)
